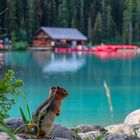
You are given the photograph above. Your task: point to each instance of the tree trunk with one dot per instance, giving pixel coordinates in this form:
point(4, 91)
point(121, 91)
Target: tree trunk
point(82, 13)
point(89, 28)
point(130, 33)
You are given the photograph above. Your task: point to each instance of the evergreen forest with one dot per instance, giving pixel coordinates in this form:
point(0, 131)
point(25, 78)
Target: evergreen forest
point(102, 21)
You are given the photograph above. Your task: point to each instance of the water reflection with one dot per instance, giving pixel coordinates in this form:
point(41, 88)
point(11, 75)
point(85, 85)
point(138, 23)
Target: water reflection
point(64, 63)
point(47, 61)
point(115, 55)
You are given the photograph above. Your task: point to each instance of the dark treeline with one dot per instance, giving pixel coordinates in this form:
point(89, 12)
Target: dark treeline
point(103, 21)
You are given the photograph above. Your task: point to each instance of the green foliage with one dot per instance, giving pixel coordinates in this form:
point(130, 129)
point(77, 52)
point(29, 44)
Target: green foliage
point(23, 115)
point(20, 45)
point(9, 88)
point(98, 29)
point(101, 137)
point(63, 14)
point(120, 18)
point(21, 35)
point(32, 129)
point(110, 25)
point(8, 131)
point(28, 111)
point(25, 119)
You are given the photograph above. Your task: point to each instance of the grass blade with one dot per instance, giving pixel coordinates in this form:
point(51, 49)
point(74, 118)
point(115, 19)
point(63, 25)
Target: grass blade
point(23, 115)
point(28, 110)
point(108, 95)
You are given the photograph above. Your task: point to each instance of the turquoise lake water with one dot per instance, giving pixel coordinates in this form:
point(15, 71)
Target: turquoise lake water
point(83, 76)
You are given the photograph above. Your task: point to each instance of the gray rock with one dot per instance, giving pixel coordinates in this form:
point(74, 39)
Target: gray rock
point(16, 123)
point(88, 128)
point(61, 139)
point(136, 126)
point(25, 137)
point(49, 139)
point(63, 132)
point(58, 131)
point(121, 137)
point(133, 118)
point(119, 129)
point(90, 135)
point(89, 131)
point(124, 129)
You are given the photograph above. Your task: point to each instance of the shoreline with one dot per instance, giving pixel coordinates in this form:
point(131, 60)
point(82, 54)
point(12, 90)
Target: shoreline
point(129, 129)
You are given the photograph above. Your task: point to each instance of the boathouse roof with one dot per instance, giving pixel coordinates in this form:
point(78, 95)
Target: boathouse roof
point(63, 33)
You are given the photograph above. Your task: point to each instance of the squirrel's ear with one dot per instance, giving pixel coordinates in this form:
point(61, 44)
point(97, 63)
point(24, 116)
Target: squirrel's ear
point(52, 89)
point(58, 87)
point(50, 92)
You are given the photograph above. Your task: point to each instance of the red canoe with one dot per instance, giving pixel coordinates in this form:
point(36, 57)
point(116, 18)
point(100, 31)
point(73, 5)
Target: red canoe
point(110, 48)
point(98, 48)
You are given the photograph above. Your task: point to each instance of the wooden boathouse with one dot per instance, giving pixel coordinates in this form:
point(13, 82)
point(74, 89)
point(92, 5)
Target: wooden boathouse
point(50, 37)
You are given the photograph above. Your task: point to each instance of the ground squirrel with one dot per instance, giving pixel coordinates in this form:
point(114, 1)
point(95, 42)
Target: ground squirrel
point(45, 114)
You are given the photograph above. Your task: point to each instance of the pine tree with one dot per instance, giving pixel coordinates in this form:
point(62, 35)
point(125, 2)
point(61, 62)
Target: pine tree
point(75, 22)
point(120, 19)
point(30, 23)
point(125, 27)
point(63, 14)
point(11, 18)
point(38, 13)
point(75, 13)
point(127, 23)
point(110, 25)
point(137, 22)
point(49, 17)
point(98, 29)
point(90, 15)
point(117, 15)
point(3, 6)
point(82, 14)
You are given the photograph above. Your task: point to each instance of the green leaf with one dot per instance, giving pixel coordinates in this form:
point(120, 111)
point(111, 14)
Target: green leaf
point(23, 115)
point(28, 110)
point(9, 89)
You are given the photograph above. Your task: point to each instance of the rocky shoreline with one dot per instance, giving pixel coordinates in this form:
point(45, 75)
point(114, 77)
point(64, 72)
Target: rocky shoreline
point(128, 130)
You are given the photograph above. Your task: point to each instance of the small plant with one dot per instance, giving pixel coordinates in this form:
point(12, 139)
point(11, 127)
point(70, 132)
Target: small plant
point(94, 137)
point(28, 122)
point(135, 133)
point(9, 88)
point(20, 45)
point(102, 137)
